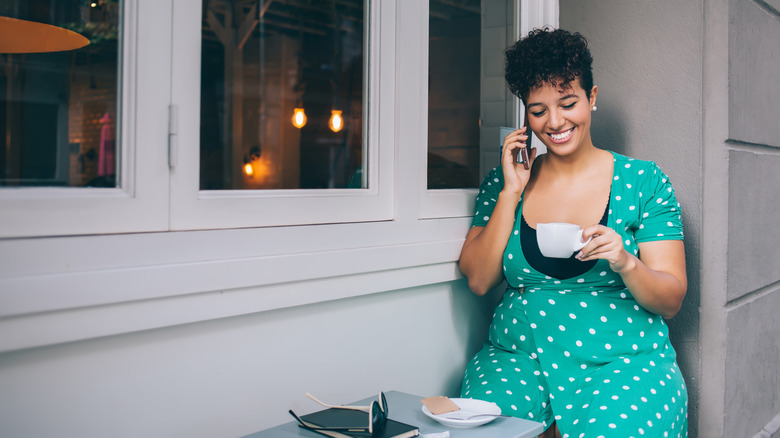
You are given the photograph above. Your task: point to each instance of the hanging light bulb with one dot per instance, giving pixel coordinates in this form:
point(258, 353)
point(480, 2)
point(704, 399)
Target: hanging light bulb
point(299, 118)
point(336, 122)
point(251, 159)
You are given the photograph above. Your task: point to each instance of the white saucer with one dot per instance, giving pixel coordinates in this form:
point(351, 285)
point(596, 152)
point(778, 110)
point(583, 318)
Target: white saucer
point(468, 407)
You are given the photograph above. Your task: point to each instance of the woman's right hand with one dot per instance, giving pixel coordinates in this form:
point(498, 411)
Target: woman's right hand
point(515, 175)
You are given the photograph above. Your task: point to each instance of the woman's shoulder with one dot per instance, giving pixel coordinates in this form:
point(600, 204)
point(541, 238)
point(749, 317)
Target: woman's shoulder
point(496, 171)
point(494, 179)
point(634, 167)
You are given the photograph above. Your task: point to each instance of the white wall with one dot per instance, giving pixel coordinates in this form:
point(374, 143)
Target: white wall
point(234, 376)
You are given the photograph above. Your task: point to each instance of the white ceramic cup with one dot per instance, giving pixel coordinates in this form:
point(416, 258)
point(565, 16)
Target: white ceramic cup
point(559, 240)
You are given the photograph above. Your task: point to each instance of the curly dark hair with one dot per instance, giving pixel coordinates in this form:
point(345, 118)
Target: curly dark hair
point(555, 56)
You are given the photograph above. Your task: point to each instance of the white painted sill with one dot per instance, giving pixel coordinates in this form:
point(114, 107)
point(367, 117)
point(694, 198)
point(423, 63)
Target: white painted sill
point(69, 289)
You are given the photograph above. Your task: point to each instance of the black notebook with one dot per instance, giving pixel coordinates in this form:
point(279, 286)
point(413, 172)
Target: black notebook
point(347, 418)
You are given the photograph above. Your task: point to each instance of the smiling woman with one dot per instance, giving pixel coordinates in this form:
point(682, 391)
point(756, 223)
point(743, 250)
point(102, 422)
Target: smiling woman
point(585, 333)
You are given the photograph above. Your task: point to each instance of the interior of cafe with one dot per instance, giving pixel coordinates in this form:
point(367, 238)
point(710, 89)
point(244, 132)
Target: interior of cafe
point(282, 95)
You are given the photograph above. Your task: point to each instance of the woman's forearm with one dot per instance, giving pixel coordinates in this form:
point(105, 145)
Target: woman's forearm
point(481, 259)
point(660, 291)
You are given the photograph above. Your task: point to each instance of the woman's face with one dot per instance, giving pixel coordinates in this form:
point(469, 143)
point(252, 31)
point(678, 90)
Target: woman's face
point(560, 116)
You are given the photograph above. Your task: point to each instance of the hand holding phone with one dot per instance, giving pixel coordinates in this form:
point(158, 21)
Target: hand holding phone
point(523, 155)
point(524, 151)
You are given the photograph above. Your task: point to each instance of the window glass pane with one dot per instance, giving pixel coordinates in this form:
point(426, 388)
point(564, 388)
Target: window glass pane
point(59, 63)
point(454, 94)
point(261, 62)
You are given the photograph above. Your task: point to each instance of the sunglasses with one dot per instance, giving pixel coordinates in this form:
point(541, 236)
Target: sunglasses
point(377, 416)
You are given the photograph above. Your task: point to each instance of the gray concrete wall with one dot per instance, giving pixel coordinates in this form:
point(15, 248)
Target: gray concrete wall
point(754, 50)
point(715, 213)
point(752, 359)
point(754, 231)
point(648, 67)
point(752, 384)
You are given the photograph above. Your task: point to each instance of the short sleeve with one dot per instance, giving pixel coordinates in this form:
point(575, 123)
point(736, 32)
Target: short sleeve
point(487, 197)
point(661, 217)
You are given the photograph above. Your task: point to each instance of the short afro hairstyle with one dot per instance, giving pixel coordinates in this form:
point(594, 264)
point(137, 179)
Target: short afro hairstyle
point(555, 56)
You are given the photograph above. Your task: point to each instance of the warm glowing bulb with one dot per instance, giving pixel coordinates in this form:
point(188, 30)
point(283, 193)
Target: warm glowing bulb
point(248, 169)
point(94, 4)
point(299, 118)
point(336, 122)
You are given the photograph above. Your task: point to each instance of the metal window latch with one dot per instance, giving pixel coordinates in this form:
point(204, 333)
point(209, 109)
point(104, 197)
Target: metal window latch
point(173, 135)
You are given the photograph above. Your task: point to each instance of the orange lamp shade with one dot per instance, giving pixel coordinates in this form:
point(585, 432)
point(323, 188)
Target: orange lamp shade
point(336, 122)
point(299, 118)
point(22, 36)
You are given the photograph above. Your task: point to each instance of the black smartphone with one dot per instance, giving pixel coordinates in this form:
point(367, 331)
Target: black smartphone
point(524, 151)
point(523, 155)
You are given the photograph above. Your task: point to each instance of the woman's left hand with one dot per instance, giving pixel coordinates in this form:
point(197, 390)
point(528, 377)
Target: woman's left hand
point(605, 244)
point(657, 281)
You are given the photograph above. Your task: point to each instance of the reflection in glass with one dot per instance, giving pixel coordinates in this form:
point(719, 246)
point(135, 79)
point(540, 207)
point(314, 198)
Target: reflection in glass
point(299, 118)
point(59, 109)
point(454, 94)
point(273, 73)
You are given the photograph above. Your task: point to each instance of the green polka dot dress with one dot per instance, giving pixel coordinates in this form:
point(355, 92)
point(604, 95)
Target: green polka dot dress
point(580, 351)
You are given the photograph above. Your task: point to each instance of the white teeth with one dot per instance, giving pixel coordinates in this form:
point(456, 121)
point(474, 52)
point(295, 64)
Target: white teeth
point(561, 136)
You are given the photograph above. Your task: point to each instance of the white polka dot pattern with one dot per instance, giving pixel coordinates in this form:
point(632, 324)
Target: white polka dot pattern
point(580, 351)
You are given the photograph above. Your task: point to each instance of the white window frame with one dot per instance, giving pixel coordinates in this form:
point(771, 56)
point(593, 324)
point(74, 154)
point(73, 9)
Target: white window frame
point(64, 288)
point(69, 288)
point(441, 203)
point(192, 208)
point(140, 203)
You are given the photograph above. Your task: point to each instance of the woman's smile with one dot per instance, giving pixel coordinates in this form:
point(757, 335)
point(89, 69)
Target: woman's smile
point(561, 136)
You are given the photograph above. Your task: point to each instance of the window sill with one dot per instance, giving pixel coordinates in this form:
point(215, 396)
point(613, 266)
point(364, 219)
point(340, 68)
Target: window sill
point(56, 304)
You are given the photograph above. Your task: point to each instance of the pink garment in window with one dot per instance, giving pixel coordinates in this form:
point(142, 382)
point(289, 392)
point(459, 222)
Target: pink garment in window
point(106, 158)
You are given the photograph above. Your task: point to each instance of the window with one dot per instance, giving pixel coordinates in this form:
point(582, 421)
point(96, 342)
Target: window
point(199, 151)
point(101, 260)
point(242, 161)
point(58, 99)
point(455, 35)
point(282, 95)
point(198, 109)
point(72, 135)
point(467, 100)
